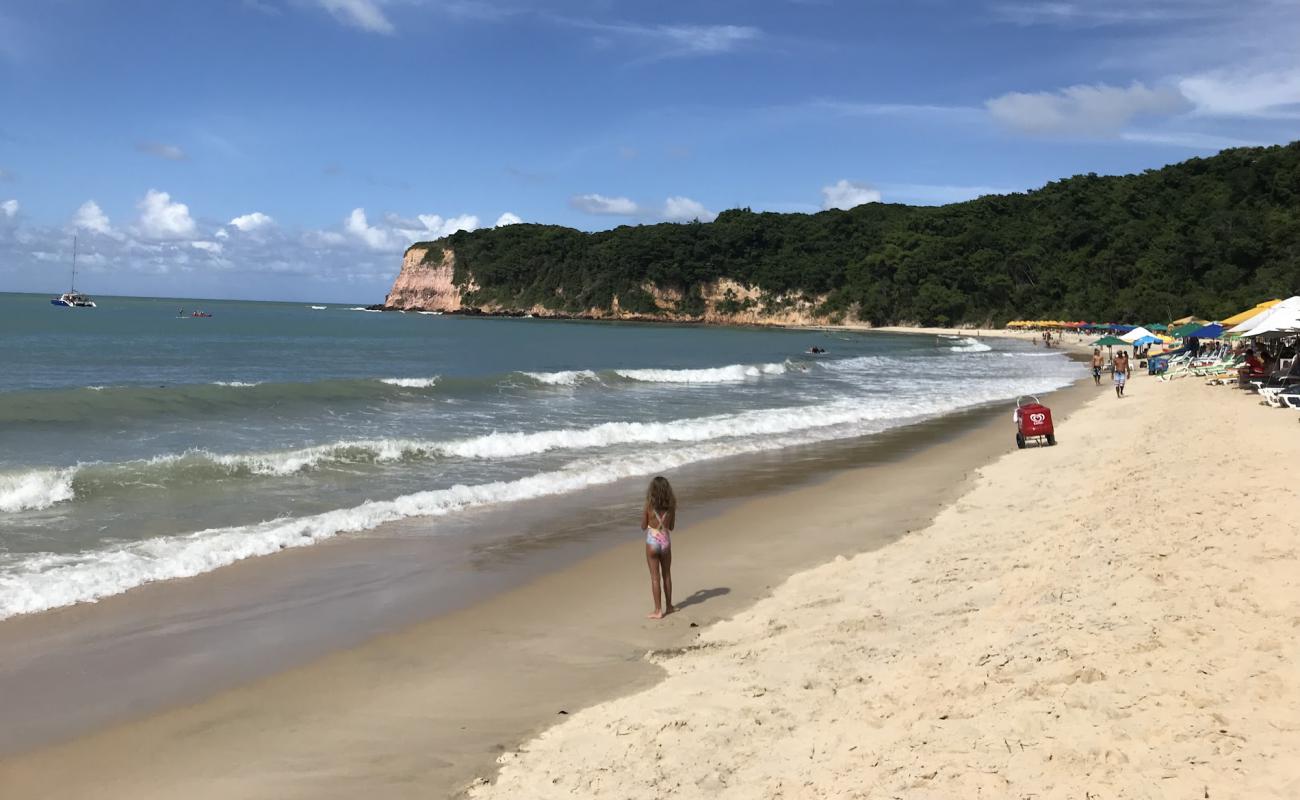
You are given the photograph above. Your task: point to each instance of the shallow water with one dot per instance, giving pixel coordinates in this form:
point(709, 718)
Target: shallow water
point(136, 445)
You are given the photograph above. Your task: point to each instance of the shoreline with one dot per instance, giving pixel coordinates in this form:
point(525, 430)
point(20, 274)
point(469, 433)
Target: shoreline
point(607, 663)
point(1048, 634)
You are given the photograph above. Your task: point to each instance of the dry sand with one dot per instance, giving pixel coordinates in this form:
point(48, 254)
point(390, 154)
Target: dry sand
point(1112, 617)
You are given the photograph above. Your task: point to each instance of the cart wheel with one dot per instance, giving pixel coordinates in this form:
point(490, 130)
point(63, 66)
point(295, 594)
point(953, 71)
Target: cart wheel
point(1020, 441)
point(1051, 440)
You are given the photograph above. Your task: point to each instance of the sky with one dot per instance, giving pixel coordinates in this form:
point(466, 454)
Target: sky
point(292, 149)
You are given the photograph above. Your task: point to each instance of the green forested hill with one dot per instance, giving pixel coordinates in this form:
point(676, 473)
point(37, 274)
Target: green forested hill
point(1208, 236)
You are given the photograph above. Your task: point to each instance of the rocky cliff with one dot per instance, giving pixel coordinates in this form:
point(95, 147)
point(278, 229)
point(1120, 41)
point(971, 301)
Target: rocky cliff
point(427, 282)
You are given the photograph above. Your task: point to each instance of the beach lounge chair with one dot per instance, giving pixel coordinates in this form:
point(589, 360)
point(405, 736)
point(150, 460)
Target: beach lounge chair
point(1290, 397)
point(1284, 378)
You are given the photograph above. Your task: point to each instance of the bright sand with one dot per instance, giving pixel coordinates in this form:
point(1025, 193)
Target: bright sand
point(1112, 617)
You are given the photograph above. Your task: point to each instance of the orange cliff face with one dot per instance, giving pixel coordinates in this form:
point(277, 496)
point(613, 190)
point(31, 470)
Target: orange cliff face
point(425, 282)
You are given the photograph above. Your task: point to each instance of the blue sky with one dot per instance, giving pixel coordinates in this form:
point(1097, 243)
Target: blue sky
point(293, 148)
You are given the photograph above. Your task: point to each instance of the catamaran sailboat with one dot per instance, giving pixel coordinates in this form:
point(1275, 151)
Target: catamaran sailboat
point(73, 298)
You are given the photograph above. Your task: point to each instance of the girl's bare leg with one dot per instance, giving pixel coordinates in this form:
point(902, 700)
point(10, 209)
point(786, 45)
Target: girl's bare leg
point(666, 566)
point(652, 561)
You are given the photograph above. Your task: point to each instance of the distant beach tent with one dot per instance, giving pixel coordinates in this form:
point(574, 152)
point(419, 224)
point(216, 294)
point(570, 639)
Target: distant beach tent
point(1158, 327)
point(1135, 334)
point(1212, 331)
point(1237, 319)
point(1185, 320)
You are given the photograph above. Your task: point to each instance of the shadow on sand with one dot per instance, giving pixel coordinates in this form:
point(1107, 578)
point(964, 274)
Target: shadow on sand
point(701, 596)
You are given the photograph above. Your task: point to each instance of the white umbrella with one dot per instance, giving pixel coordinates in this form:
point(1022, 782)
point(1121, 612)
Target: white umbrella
point(1285, 321)
point(1136, 333)
point(1288, 304)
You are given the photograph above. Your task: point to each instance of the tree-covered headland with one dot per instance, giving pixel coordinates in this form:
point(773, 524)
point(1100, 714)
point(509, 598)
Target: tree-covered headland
point(1208, 236)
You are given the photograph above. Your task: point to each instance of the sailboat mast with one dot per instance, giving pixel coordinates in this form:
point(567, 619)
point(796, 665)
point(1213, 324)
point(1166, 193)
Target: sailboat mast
point(73, 287)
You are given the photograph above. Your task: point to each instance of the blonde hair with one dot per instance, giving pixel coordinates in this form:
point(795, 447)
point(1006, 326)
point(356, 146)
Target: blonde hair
point(660, 497)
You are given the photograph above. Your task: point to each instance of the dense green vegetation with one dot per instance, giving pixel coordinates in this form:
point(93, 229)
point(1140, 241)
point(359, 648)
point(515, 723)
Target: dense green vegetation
point(1209, 236)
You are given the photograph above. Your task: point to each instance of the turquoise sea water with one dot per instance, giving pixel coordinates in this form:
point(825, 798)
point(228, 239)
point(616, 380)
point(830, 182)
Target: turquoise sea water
point(139, 445)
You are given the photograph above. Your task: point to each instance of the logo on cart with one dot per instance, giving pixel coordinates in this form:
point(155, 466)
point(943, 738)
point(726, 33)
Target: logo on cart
point(1038, 419)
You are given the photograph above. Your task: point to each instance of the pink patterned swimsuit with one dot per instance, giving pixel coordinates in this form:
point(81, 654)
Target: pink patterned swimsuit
point(657, 535)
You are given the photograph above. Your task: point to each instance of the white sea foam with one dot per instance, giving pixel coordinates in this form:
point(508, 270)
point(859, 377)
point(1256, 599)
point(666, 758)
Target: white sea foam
point(734, 373)
point(969, 345)
point(411, 383)
point(49, 580)
point(371, 310)
point(319, 308)
point(237, 384)
point(35, 490)
point(571, 377)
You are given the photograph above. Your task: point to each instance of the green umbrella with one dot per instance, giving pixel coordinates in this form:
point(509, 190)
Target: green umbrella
point(1184, 330)
point(1157, 327)
point(1109, 341)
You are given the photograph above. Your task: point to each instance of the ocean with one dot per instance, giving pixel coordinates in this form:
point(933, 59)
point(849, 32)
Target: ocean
point(138, 444)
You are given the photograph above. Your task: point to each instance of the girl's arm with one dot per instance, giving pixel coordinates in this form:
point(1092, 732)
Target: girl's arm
point(645, 518)
point(671, 521)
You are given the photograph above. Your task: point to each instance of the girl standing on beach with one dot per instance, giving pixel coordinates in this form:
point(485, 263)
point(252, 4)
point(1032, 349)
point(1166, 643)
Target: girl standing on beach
point(657, 520)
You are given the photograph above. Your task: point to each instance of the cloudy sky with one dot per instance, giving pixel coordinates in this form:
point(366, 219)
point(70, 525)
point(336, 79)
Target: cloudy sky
point(292, 148)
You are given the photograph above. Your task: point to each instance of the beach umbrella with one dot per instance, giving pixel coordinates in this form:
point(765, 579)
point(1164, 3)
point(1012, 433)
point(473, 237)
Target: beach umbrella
point(1109, 341)
point(1186, 329)
point(1212, 331)
point(1145, 340)
point(1238, 318)
point(1178, 322)
point(1258, 319)
point(1157, 327)
point(1284, 318)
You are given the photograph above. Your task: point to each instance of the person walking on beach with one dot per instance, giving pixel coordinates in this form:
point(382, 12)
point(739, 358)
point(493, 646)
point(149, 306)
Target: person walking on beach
point(1097, 363)
point(1121, 372)
point(658, 519)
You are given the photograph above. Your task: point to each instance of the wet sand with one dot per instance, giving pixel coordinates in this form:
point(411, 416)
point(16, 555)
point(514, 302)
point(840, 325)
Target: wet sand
point(423, 710)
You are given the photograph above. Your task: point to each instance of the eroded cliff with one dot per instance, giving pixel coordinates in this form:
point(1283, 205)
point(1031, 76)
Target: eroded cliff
point(428, 282)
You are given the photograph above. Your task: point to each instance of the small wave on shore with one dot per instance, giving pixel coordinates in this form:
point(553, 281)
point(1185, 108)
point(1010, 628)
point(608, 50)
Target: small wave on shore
point(734, 373)
point(35, 490)
point(967, 344)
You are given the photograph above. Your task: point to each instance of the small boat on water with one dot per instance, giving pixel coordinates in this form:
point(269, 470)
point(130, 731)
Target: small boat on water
point(319, 308)
point(73, 298)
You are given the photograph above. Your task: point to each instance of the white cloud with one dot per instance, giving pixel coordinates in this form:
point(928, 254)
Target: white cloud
point(90, 217)
point(1245, 94)
point(846, 194)
point(439, 227)
point(684, 209)
point(1098, 110)
point(248, 223)
point(675, 41)
point(374, 237)
point(606, 206)
point(214, 248)
point(507, 219)
point(169, 152)
point(9, 208)
point(363, 14)
point(222, 233)
point(160, 218)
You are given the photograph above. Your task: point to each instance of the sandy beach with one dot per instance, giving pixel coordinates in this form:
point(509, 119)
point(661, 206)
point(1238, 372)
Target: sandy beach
point(1113, 617)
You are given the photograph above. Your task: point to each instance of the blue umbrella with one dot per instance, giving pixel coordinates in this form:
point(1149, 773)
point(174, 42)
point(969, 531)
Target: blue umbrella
point(1148, 340)
point(1212, 331)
